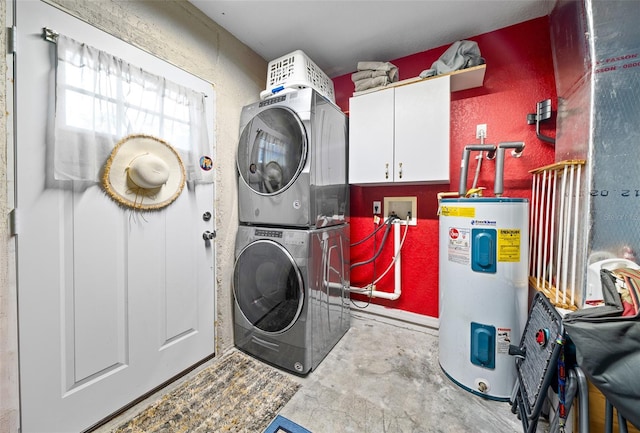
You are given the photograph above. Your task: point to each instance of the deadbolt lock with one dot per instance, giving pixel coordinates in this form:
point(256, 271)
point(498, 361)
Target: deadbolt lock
point(207, 236)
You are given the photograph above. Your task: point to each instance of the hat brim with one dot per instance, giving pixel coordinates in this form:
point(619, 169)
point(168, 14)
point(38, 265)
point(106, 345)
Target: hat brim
point(119, 187)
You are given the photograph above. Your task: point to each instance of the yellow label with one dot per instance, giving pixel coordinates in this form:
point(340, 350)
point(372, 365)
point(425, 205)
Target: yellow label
point(456, 211)
point(508, 245)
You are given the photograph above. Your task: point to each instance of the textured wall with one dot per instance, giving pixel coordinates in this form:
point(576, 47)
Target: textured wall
point(519, 74)
point(177, 32)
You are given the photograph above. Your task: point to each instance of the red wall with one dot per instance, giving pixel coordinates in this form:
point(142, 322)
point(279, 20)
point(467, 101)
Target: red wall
point(519, 74)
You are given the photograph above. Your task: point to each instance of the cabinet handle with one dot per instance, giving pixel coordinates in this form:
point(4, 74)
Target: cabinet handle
point(386, 171)
point(400, 172)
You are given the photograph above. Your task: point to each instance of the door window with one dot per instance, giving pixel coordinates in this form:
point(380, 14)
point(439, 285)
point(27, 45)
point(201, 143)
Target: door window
point(268, 286)
point(100, 98)
point(272, 150)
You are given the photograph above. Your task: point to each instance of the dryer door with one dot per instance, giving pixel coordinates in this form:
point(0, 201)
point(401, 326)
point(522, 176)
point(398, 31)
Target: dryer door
point(272, 150)
point(268, 286)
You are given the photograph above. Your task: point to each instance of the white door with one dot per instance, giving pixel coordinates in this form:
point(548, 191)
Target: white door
point(111, 303)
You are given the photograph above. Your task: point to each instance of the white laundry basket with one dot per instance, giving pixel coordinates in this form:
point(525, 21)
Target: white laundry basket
point(296, 71)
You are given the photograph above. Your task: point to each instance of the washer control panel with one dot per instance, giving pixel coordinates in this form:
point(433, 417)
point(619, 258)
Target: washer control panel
point(268, 233)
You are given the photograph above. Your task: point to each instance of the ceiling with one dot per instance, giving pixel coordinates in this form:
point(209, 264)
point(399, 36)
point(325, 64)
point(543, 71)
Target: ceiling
point(336, 34)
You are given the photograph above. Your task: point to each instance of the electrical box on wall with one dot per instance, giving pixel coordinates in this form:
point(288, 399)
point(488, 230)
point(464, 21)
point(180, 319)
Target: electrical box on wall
point(404, 208)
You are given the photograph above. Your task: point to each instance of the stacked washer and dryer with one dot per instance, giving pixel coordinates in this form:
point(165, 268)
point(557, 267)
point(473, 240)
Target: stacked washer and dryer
point(291, 275)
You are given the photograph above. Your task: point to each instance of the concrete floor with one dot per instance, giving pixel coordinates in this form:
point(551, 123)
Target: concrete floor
point(383, 376)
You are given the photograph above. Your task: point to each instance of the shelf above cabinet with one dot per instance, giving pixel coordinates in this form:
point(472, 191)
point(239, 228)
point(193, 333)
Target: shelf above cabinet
point(462, 79)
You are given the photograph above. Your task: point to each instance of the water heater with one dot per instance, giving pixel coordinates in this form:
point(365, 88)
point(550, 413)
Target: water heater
point(483, 291)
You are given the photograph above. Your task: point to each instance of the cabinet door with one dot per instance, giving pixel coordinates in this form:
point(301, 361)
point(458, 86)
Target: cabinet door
point(371, 137)
point(422, 117)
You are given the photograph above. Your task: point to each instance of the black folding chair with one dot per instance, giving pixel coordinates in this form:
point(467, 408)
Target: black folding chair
point(540, 359)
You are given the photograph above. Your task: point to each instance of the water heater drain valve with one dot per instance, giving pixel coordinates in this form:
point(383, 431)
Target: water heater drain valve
point(482, 385)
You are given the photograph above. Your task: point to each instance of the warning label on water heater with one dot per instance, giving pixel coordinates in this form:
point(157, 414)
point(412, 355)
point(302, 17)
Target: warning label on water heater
point(503, 340)
point(509, 245)
point(458, 211)
point(459, 247)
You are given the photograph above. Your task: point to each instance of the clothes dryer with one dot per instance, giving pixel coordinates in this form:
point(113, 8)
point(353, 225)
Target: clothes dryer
point(291, 298)
point(292, 161)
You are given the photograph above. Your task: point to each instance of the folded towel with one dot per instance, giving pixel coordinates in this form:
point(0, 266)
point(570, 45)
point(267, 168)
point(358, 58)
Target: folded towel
point(370, 83)
point(389, 68)
point(360, 75)
point(375, 66)
point(460, 55)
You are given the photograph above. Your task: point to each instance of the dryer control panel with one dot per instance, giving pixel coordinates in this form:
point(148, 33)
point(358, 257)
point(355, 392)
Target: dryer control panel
point(273, 100)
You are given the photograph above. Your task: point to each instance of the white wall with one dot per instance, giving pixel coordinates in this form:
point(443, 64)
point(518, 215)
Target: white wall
point(179, 33)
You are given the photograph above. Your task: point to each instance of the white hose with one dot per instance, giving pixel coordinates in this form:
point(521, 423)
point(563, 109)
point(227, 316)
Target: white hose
point(477, 175)
point(396, 256)
point(369, 288)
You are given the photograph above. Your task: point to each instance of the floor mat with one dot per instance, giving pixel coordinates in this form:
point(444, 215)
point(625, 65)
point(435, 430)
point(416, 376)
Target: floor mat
point(235, 394)
point(284, 425)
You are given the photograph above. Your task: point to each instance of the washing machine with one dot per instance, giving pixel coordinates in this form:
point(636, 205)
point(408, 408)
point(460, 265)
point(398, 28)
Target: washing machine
point(292, 161)
point(291, 294)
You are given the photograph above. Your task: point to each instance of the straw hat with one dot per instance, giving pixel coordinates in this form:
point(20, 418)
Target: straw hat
point(143, 172)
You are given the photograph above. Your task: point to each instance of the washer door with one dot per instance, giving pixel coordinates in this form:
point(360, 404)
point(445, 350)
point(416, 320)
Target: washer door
point(268, 286)
point(272, 150)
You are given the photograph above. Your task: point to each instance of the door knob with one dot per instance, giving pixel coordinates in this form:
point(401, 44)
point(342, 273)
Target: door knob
point(207, 236)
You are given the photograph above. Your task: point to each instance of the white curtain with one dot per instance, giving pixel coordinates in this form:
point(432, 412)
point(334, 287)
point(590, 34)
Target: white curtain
point(100, 99)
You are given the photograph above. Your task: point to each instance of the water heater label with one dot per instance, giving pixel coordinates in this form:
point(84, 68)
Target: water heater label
point(456, 211)
point(509, 245)
point(459, 248)
point(503, 340)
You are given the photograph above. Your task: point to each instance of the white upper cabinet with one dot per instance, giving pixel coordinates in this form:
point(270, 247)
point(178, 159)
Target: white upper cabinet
point(401, 134)
point(371, 137)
